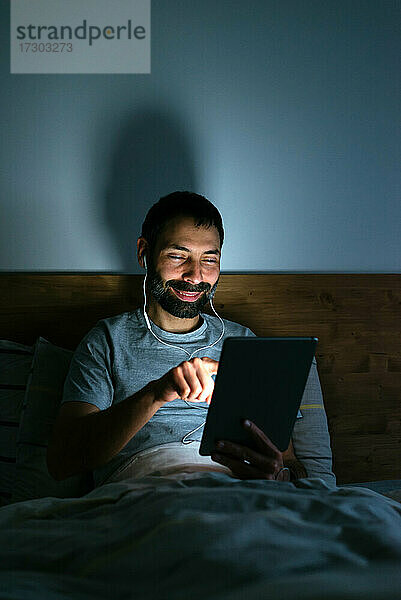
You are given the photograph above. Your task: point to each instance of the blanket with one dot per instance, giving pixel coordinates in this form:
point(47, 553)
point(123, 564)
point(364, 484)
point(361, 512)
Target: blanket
point(211, 537)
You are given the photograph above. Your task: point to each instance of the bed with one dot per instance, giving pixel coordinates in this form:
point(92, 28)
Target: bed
point(211, 536)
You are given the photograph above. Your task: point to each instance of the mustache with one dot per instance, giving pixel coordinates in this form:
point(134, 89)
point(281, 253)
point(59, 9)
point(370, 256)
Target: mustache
point(181, 286)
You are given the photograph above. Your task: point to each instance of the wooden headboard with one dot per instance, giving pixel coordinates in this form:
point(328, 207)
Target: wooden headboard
point(355, 317)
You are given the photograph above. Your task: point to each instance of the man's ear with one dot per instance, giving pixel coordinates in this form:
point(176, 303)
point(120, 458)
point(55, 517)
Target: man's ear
point(142, 249)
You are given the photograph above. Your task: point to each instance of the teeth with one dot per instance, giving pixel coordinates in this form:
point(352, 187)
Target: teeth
point(189, 294)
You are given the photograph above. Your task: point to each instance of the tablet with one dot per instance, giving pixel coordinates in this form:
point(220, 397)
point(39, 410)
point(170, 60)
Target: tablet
point(261, 379)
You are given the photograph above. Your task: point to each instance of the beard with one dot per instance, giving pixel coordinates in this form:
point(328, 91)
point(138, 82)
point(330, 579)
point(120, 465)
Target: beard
point(161, 292)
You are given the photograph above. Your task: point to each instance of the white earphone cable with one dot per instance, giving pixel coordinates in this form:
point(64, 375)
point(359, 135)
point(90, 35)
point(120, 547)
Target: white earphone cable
point(183, 440)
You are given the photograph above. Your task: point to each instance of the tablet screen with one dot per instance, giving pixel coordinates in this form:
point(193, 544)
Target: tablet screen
point(260, 379)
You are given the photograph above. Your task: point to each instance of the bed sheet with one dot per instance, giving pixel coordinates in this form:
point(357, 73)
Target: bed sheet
point(209, 537)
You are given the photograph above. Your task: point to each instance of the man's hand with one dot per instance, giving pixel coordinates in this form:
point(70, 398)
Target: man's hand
point(265, 463)
point(191, 380)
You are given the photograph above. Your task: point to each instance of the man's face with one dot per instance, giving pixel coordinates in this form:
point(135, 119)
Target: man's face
point(185, 269)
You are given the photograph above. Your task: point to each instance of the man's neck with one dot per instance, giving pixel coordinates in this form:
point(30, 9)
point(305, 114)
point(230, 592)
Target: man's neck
point(168, 322)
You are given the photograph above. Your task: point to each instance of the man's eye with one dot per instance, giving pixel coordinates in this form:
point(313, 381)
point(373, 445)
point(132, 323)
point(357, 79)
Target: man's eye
point(211, 260)
point(175, 257)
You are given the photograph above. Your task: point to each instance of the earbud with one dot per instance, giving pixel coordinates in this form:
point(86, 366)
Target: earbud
point(144, 260)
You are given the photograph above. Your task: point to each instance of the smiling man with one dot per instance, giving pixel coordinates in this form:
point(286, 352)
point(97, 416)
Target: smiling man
point(181, 276)
point(140, 383)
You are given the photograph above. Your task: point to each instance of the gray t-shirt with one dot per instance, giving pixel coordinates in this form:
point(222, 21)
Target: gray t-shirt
point(119, 356)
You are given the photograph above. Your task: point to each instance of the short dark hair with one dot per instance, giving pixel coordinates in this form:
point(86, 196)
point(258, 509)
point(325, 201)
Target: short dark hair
point(180, 204)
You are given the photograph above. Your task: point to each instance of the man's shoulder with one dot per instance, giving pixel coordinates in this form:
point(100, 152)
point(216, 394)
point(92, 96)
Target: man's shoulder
point(122, 319)
point(116, 326)
point(231, 328)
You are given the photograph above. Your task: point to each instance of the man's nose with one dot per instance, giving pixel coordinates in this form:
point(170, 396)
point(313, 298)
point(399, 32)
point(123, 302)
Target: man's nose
point(193, 272)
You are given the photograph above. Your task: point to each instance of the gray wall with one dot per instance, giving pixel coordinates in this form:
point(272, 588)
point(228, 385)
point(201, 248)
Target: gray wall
point(284, 113)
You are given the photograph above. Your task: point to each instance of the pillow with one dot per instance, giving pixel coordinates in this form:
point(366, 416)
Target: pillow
point(310, 436)
point(15, 365)
point(41, 404)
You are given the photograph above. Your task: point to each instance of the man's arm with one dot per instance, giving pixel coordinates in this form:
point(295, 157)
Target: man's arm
point(85, 437)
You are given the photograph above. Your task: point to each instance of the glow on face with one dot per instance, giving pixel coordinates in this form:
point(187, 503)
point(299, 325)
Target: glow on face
point(186, 267)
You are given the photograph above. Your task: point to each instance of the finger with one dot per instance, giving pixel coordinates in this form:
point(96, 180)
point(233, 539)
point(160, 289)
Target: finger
point(192, 381)
point(180, 384)
point(210, 365)
point(198, 378)
point(260, 438)
point(241, 469)
point(266, 464)
point(205, 379)
point(283, 475)
point(289, 454)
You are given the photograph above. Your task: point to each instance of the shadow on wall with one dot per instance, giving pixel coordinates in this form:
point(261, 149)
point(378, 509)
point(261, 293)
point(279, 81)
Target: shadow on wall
point(152, 158)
